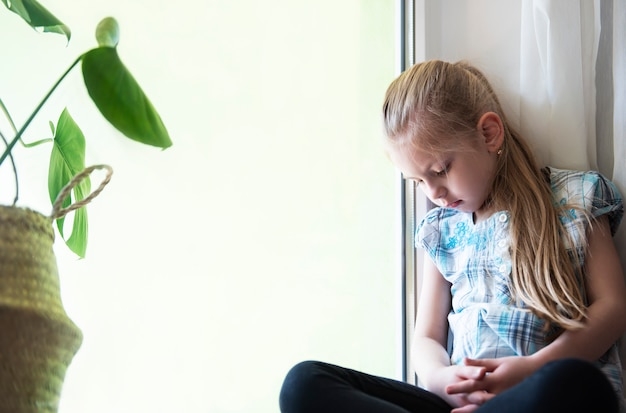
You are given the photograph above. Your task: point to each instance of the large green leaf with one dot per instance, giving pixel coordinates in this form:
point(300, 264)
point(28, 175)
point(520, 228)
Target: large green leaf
point(66, 161)
point(120, 99)
point(37, 16)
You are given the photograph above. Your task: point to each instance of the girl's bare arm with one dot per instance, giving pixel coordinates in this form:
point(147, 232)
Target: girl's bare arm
point(606, 291)
point(428, 350)
point(429, 355)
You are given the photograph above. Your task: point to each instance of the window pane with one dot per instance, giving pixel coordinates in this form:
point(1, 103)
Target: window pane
point(263, 237)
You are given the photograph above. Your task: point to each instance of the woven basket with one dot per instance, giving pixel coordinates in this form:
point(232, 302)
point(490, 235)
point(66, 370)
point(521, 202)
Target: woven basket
point(37, 339)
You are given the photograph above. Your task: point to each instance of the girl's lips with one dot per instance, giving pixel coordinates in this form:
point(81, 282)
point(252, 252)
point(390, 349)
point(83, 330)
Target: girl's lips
point(453, 204)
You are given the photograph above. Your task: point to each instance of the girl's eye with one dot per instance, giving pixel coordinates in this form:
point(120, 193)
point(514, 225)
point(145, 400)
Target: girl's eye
point(443, 172)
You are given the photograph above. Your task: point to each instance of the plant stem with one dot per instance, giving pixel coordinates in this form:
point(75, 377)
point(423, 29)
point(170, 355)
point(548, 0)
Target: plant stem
point(17, 184)
point(6, 144)
point(19, 134)
point(8, 116)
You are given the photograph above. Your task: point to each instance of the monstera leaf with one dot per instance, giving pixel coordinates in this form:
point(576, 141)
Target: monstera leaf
point(117, 94)
point(67, 159)
point(37, 16)
point(120, 99)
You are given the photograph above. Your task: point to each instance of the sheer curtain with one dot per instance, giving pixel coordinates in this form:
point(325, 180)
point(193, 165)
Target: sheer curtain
point(573, 90)
point(558, 66)
point(617, 140)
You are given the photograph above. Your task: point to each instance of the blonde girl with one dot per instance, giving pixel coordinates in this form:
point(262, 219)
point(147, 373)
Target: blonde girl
point(523, 296)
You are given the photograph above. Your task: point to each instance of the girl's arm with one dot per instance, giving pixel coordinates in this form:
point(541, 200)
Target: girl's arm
point(429, 355)
point(606, 292)
point(430, 338)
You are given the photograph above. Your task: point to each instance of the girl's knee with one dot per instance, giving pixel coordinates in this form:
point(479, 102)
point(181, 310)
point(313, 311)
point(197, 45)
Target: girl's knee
point(573, 371)
point(299, 386)
point(592, 389)
point(568, 385)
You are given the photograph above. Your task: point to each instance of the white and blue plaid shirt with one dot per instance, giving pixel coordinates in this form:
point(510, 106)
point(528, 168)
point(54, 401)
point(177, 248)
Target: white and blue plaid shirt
point(485, 321)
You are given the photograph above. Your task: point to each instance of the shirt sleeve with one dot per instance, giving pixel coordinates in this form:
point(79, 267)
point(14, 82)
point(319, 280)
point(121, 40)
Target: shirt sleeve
point(427, 233)
point(603, 198)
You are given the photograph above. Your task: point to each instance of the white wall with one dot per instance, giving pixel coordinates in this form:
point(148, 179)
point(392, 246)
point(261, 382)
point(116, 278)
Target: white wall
point(264, 236)
point(484, 32)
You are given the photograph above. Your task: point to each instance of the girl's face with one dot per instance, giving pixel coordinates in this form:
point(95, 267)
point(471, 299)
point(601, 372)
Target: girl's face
point(460, 179)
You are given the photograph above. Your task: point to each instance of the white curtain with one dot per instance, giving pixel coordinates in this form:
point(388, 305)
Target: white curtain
point(573, 87)
point(559, 67)
point(557, 53)
point(619, 112)
point(618, 52)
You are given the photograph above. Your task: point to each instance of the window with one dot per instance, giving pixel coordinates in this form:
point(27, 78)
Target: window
point(262, 237)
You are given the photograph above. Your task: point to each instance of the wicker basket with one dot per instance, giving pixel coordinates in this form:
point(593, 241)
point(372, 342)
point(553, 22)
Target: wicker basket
point(37, 339)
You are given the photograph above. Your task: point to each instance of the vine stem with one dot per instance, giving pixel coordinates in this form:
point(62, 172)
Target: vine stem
point(19, 134)
point(6, 143)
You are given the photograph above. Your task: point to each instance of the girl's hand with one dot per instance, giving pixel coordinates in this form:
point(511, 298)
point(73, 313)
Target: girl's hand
point(501, 374)
point(461, 376)
point(474, 400)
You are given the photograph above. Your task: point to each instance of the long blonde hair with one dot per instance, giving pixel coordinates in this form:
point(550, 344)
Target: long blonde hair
point(436, 106)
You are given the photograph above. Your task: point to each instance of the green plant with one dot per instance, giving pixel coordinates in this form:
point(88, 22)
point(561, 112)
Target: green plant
point(115, 93)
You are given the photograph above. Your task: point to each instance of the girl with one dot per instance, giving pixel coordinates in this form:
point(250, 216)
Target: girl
point(523, 296)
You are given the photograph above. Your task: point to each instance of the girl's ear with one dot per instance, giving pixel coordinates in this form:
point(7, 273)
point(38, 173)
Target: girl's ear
point(492, 130)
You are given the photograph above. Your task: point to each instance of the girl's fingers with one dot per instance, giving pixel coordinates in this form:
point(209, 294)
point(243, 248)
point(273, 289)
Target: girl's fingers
point(468, 408)
point(480, 397)
point(470, 379)
point(465, 386)
point(475, 400)
point(488, 364)
point(471, 372)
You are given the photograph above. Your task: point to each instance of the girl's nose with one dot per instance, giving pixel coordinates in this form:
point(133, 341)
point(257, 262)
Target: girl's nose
point(434, 191)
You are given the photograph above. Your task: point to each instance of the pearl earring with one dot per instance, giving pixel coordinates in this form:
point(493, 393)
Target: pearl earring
point(499, 152)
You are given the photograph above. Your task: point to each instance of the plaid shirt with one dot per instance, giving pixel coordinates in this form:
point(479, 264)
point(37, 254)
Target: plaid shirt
point(485, 321)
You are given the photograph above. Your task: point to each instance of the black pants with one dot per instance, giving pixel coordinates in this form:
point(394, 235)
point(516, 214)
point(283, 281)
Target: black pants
point(568, 385)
